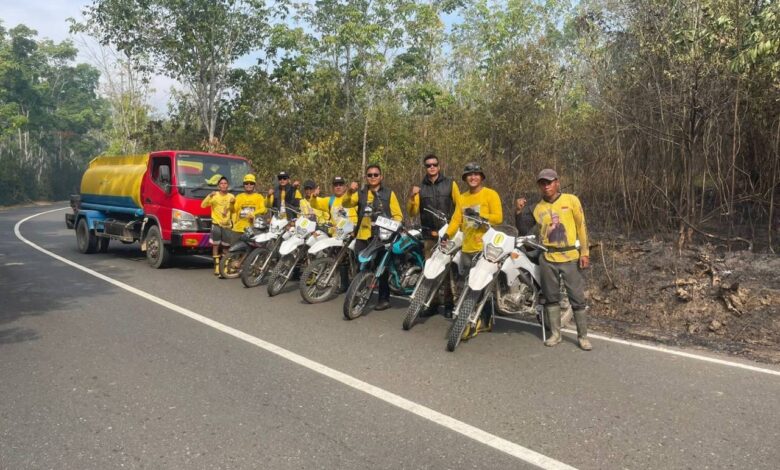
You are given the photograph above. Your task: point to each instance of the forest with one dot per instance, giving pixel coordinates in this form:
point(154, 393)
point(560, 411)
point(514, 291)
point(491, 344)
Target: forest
point(663, 116)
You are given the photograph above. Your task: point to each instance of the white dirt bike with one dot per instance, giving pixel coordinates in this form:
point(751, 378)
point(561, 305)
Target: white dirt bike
point(434, 272)
point(292, 251)
point(321, 280)
point(258, 263)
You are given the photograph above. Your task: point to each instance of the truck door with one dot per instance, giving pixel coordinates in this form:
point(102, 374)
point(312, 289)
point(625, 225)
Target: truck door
point(157, 193)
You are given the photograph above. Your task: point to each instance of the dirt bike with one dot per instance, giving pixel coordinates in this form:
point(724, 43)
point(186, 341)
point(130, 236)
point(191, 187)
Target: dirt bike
point(321, 280)
point(503, 272)
point(258, 263)
point(292, 252)
point(401, 256)
point(434, 271)
point(230, 263)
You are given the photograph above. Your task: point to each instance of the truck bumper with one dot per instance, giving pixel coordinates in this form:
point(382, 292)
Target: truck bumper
point(190, 240)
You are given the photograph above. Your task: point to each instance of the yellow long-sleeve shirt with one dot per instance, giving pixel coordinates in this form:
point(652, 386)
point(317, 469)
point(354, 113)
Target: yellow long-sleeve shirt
point(561, 224)
point(487, 203)
point(246, 208)
point(324, 205)
point(364, 232)
point(221, 208)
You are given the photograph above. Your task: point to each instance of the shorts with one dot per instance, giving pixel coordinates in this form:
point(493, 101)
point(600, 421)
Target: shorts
point(221, 235)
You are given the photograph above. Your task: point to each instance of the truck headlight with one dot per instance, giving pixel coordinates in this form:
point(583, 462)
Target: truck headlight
point(183, 221)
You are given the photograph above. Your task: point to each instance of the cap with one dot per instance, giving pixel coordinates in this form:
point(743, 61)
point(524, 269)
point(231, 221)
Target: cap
point(309, 184)
point(547, 174)
point(339, 180)
point(282, 175)
point(250, 178)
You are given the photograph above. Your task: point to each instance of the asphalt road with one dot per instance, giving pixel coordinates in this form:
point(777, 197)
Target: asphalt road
point(95, 376)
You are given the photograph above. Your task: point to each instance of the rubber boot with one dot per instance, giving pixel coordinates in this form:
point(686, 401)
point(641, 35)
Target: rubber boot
point(553, 313)
point(582, 329)
point(216, 265)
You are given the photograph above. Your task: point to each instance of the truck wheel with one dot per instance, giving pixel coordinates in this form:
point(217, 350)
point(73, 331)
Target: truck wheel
point(157, 253)
point(85, 238)
point(103, 245)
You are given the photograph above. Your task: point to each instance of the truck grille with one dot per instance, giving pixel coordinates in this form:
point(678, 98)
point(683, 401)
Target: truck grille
point(204, 224)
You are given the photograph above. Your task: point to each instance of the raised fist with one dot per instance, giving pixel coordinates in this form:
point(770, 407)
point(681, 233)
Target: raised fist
point(415, 191)
point(353, 186)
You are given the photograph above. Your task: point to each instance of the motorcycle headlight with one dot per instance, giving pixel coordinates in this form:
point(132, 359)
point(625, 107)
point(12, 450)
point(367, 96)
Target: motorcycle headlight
point(183, 221)
point(301, 232)
point(384, 234)
point(493, 253)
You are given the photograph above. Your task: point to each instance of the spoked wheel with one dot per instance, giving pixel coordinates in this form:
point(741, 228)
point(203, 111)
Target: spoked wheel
point(359, 292)
point(252, 272)
point(313, 289)
point(417, 304)
point(230, 265)
point(460, 324)
point(278, 278)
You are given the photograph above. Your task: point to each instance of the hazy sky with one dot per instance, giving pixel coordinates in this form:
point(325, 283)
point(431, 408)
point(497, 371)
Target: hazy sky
point(48, 18)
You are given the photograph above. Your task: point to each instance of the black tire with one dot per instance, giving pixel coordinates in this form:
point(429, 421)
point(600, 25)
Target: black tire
point(85, 238)
point(278, 278)
point(251, 273)
point(311, 291)
point(103, 244)
point(157, 253)
point(459, 326)
point(417, 303)
point(358, 294)
point(230, 265)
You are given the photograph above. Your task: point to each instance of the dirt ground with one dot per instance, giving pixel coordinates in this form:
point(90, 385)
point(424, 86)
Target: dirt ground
point(701, 296)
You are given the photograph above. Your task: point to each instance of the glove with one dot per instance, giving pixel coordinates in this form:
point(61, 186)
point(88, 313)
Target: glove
point(444, 238)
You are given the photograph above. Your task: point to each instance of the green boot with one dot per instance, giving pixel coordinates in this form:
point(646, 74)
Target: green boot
point(582, 329)
point(553, 313)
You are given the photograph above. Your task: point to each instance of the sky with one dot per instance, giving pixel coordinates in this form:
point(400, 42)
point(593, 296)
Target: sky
point(48, 18)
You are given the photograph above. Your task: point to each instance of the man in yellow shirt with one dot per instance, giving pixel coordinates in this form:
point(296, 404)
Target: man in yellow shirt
point(481, 201)
point(561, 223)
point(247, 206)
point(221, 203)
point(383, 202)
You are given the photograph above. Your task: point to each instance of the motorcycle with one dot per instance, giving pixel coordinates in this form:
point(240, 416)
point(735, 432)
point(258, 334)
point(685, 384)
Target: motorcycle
point(230, 263)
point(434, 271)
point(321, 280)
point(503, 272)
point(293, 251)
point(401, 257)
point(257, 264)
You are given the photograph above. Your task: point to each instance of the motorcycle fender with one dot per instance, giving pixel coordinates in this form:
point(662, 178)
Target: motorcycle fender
point(264, 237)
point(238, 247)
point(436, 264)
point(324, 244)
point(512, 269)
point(290, 245)
point(481, 274)
point(352, 244)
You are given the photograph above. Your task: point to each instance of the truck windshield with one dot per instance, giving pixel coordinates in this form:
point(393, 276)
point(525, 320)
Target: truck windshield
point(198, 175)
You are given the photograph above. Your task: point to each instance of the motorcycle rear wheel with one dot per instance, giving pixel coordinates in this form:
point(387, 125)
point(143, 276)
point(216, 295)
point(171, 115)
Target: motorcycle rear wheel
point(358, 294)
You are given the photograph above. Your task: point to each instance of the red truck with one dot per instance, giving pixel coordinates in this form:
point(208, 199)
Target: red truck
point(154, 199)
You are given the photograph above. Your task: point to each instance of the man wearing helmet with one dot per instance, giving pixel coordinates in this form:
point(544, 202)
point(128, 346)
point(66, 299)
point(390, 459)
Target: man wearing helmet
point(476, 201)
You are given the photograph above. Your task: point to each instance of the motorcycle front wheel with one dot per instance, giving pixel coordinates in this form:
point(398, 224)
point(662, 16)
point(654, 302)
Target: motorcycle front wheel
point(359, 292)
point(418, 302)
point(278, 278)
point(470, 300)
point(310, 285)
point(252, 274)
point(230, 264)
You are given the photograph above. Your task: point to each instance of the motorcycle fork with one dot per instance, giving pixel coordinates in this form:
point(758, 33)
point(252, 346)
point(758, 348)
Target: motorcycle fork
point(274, 250)
point(296, 259)
point(335, 266)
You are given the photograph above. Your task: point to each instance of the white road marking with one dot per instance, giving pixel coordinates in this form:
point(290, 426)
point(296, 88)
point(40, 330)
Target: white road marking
point(13, 264)
point(448, 422)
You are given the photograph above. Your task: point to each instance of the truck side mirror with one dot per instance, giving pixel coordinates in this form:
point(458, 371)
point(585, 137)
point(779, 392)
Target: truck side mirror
point(165, 178)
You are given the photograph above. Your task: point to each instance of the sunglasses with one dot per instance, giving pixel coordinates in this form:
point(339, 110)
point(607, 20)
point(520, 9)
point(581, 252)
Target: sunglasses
point(282, 178)
point(249, 184)
point(373, 175)
point(431, 165)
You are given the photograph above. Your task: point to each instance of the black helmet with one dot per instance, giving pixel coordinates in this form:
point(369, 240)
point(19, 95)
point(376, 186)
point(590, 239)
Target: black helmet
point(472, 168)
